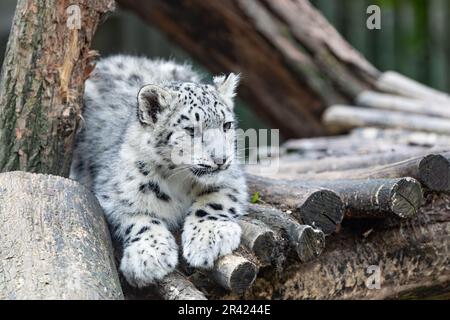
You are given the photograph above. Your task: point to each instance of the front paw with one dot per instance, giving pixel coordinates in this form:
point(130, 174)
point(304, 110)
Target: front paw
point(204, 242)
point(145, 262)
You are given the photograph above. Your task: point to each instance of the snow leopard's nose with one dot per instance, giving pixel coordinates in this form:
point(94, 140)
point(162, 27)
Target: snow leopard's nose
point(219, 161)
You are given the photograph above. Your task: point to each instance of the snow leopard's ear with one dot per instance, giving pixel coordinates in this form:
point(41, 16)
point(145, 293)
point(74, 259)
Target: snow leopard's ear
point(152, 100)
point(226, 86)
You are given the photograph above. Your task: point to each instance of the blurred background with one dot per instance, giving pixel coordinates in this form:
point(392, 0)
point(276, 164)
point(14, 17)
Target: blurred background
point(413, 39)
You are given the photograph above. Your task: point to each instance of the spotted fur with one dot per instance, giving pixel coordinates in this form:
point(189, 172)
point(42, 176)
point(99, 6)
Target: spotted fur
point(140, 116)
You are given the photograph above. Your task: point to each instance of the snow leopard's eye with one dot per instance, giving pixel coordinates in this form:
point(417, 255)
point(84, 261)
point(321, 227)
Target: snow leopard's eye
point(227, 126)
point(190, 130)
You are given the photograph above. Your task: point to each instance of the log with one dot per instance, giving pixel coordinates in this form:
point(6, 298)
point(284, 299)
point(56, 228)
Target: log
point(391, 81)
point(374, 198)
point(412, 256)
point(341, 118)
point(235, 272)
point(307, 242)
point(311, 65)
point(46, 63)
point(317, 207)
point(346, 145)
point(176, 286)
point(385, 101)
point(260, 240)
point(335, 163)
point(432, 171)
point(412, 138)
point(54, 241)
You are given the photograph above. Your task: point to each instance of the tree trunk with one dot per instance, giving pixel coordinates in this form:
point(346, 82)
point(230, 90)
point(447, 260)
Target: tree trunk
point(54, 242)
point(42, 82)
point(293, 61)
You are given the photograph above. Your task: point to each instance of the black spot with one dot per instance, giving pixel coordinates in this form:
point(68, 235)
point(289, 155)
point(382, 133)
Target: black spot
point(209, 191)
point(184, 117)
point(104, 196)
point(197, 116)
point(135, 239)
point(156, 222)
point(233, 198)
point(232, 210)
point(168, 137)
point(151, 186)
point(128, 230)
point(212, 218)
point(143, 229)
point(215, 206)
point(201, 213)
point(135, 78)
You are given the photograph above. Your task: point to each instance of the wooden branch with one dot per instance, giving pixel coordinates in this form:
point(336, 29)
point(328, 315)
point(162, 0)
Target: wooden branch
point(318, 207)
point(54, 241)
point(412, 256)
point(384, 101)
point(307, 242)
point(347, 145)
point(401, 197)
point(411, 138)
point(176, 286)
point(349, 162)
point(260, 240)
point(42, 82)
point(340, 118)
point(432, 170)
point(235, 272)
point(396, 83)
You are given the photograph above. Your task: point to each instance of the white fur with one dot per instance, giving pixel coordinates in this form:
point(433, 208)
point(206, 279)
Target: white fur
point(127, 160)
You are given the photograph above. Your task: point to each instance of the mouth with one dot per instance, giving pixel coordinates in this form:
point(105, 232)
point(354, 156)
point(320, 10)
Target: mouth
point(203, 171)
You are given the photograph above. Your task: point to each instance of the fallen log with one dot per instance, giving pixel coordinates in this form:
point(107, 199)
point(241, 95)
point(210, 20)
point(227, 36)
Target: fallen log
point(260, 240)
point(346, 145)
point(318, 207)
point(387, 259)
point(432, 170)
point(335, 163)
point(413, 138)
point(54, 241)
point(377, 198)
point(176, 286)
point(307, 242)
point(341, 118)
point(391, 81)
point(384, 101)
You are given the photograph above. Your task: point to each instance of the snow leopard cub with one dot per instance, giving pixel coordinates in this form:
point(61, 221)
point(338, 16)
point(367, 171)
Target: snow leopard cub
point(142, 120)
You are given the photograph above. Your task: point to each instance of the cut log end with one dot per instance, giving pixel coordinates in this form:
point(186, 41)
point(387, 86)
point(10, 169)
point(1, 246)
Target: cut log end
point(323, 209)
point(235, 273)
point(259, 239)
point(407, 197)
point(434, 171)
point(311, 243)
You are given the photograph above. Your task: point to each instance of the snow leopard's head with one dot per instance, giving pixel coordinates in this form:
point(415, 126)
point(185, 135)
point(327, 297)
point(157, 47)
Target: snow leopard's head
point(192, 126)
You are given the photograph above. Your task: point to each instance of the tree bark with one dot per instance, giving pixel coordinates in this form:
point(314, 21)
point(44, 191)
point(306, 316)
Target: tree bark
point(54, 241)
point(42, 82)
point(293, 62)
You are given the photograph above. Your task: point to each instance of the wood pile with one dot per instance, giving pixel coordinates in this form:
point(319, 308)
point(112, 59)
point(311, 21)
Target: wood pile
point(333, 208)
